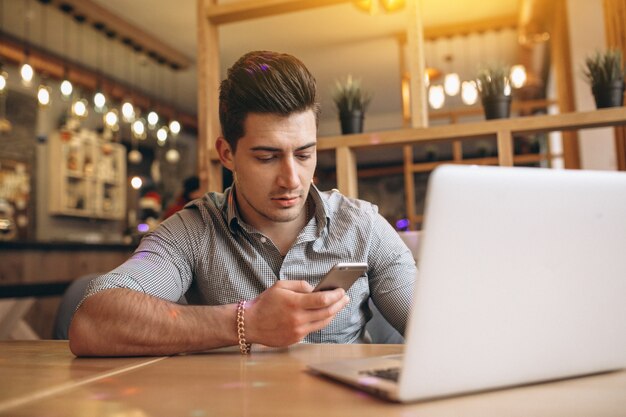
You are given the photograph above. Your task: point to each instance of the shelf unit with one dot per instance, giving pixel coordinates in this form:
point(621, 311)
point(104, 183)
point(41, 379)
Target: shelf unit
point(87, 176)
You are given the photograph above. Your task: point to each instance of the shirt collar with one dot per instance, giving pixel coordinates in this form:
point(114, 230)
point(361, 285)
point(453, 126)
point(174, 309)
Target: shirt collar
point(234, 218)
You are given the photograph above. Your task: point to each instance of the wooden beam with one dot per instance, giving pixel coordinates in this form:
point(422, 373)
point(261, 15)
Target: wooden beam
point(209, 169)
point(54, 66)
point(94, 13)
point(415, 43)
point(475, 26)
point(505, 148)
point(529, 124)
point(254, 9)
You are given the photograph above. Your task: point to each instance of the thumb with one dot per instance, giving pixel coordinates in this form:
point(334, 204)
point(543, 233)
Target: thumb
point(294, 285)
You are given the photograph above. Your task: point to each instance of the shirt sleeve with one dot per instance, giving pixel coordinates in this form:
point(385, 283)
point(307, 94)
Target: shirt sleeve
point(392, 273)
point(162, 265)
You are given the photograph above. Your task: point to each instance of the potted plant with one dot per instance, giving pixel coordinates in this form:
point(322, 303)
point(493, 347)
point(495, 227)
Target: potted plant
point(494, 87)
point(604, 71)
point(352, 102)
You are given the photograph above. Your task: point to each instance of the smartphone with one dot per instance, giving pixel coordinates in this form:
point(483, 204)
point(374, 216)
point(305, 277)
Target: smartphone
point(342, 275)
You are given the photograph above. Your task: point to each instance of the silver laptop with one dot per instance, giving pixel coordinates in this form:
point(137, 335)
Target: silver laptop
point(522, 279)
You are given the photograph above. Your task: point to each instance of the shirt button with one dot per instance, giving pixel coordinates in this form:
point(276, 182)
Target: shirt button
point(263, 239)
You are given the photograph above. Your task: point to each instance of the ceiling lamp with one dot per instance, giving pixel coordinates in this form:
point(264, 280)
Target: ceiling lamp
point(139, 129)
point(436, 96)
point(3, 80)
point(174, 127)
point(99, 101)
point(111, 119)
point(374, 6)
point(469, 92)
point(66, 87)
point(128, 112)
point(452, 84)
point(27, 73)
point(518, 76)
point(43, 95)
point(161, 135)
point(79, 108)
point(153, 119)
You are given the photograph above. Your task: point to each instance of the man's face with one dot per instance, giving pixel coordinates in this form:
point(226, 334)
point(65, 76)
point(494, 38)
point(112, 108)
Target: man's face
point(273, 166)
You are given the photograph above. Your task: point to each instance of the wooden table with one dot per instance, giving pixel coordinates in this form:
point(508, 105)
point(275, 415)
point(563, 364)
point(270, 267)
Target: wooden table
point(43, 378)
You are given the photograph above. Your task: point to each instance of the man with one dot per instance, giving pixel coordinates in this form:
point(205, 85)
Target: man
point(248, 259)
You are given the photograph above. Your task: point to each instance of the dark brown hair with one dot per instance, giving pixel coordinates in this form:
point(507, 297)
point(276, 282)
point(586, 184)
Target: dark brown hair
point(264, 82)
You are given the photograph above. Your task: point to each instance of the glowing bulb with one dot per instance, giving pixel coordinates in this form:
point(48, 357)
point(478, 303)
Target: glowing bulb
point(99, 101)
point(174, 127)
point(27, 74)
point(452, 84)
point(469, 93)
point(138, 128)
point(172, 156)
point(161, 136)
point(43, 95)
point(153, 119)
point(436, 96)
point(3, 81)
point(66, 88)
point(79, 108)
point(136, 183)
point(426, 79)
point(128, 112)
point(134, 156)
point(518, 76)
point(111, 118)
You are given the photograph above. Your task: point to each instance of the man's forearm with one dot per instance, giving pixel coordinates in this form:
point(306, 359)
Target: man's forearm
point(122, 322)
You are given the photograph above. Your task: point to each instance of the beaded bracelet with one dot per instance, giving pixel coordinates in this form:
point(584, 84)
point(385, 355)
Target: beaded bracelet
point(244, 347)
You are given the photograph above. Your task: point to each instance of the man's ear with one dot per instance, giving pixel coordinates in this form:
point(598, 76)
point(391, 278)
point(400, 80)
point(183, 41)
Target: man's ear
point(225, 153)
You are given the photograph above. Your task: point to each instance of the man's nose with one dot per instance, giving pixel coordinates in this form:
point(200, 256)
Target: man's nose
point(288, 176)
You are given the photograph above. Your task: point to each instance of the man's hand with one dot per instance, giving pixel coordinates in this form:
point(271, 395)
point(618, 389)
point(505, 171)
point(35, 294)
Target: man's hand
point(288, 311)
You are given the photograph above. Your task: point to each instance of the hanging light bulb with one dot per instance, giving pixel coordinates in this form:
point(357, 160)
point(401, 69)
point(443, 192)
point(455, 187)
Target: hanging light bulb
point(111, 119)
point(452, 84)
point(436, 96)
point(469, 92)
point(161, 135)
point(27, 73)
point(172, 156)
point(136, 182)
point(99, 102)
point(3, 80)
point(153, 119)
point(79, 108)
point(66, 88)
point(518, 76)
point(43, 95)
point(174, 127)
point(135, 157)
point(139, 129)
point(128, 112)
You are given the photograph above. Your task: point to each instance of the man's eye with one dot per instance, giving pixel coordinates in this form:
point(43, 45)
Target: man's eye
point(265, 158)
point(303, 157)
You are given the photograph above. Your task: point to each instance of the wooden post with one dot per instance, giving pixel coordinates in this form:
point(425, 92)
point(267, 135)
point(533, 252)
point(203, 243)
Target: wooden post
point(562, 62)
point(614, 21)
point(209, 171)
point(505, 148)
point(347, 178)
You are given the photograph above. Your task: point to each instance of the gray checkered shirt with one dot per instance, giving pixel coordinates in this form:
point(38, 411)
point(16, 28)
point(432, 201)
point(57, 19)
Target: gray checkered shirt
point(207, 255)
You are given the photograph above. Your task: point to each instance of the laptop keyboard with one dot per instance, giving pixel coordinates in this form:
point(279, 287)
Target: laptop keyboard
point(391, 374)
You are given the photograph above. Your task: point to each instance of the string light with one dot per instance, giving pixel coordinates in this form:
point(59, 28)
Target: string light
point(469, 93)
point(128, 112)
point(79, 108)
point(3, 80)
point(161, 135)
point(66, 88)
point(153, 119)
point(436, 96)
point(174, 127)
point(27, 73)
point(518, 76)
point(99, 102)
point(43, 95)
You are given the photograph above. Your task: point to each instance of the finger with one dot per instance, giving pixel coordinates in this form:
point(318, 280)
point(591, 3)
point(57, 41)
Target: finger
point(294, 285)
point(327, 312)
point(321, 299)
